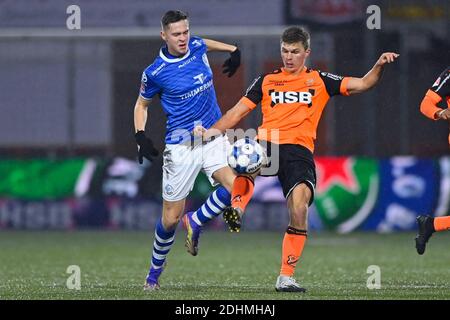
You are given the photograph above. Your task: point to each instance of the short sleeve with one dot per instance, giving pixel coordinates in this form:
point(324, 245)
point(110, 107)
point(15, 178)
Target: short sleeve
point(254, 93)
point(148, 87)
point(198, 43)
point(442, 84)
point(334, 84)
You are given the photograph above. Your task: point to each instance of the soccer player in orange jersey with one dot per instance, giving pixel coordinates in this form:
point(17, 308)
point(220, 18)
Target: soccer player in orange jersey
point(292, 101)
point(439, 91)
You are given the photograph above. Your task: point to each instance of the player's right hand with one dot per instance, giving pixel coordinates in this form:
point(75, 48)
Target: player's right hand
point(146, 149)
point(198, 131)
point(387, 57)
point(444, 114)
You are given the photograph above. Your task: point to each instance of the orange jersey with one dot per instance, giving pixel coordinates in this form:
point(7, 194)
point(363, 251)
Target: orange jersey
point(440, 90)
point(293, 104)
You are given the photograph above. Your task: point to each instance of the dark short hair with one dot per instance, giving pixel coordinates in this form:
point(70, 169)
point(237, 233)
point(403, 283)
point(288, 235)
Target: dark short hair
point(296, 34)
point(172, 16)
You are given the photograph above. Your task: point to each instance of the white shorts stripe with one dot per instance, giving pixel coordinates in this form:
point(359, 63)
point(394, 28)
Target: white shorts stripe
point(305, 181)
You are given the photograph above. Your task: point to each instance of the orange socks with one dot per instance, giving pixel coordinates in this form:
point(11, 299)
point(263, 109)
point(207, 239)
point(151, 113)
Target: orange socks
point(441, 223)
point(242, 192)
point(293, 243)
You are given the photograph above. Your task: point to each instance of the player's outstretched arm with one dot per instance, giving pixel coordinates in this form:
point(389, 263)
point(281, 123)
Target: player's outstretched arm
point(229, 120)
point(230, 65)
point(359, 85)
point(214, 45)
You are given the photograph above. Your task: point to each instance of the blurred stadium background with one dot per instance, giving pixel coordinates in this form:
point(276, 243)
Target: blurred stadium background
point(67, 151)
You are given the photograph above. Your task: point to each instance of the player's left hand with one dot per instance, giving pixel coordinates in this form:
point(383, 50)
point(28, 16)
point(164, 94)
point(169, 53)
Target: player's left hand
point(146, 148)
point(387, 57)
point(231, 65)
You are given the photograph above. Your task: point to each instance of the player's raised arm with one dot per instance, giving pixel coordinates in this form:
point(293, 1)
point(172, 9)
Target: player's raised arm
point(231, 65)
point(359, 85)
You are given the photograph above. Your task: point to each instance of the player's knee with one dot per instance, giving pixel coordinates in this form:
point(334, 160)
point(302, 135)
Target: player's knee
point(171, 216)
point(171, 222)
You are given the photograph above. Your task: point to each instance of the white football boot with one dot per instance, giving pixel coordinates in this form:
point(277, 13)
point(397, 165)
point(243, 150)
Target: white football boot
point(288, 284)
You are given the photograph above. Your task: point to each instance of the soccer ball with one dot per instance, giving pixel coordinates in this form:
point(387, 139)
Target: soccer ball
point(246, 156)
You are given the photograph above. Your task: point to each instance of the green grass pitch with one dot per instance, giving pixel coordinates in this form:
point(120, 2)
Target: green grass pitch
point(231, 266)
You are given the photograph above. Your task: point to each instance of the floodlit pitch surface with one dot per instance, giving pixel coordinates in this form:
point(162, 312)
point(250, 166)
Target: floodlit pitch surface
point(244, 266)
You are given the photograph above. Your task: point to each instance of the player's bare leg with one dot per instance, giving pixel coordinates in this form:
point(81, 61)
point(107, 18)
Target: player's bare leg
point(225, 176)
point(164, 238)
point(294, 238)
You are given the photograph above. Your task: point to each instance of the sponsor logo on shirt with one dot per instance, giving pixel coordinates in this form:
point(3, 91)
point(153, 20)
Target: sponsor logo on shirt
point(436, 83)
point(200, 78)
point(290, 97)
point(187, 62)
point(331, 76)
point(198, 90)
point(157, 70)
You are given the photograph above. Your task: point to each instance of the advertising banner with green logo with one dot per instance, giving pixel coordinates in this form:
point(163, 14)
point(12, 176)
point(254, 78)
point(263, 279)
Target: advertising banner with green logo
point(351, 194)
point(346, 192)
point(39, 179)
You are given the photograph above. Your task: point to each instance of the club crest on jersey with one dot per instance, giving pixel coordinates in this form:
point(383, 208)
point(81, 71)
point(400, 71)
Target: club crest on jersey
point(279, 97)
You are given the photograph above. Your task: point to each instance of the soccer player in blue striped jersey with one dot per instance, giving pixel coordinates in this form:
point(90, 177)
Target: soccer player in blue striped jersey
point(183, 79)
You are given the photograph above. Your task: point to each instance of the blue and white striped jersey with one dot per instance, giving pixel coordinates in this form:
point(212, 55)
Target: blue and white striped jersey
point(186, 90)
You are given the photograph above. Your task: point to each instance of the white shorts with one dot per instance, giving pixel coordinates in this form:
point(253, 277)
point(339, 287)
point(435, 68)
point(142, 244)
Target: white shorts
point(183, 162)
